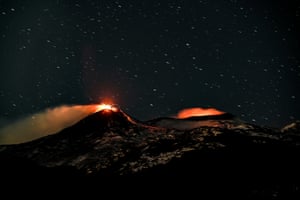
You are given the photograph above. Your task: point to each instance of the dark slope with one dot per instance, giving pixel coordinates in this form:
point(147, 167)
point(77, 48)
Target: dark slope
point(232, 159)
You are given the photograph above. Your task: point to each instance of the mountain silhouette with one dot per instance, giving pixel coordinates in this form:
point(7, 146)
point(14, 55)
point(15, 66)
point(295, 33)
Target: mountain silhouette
point(220, 153)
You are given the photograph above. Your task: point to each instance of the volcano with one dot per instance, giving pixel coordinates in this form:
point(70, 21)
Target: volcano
point(220, 153)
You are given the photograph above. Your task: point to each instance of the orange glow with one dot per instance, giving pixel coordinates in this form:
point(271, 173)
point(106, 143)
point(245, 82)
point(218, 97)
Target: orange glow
point(106, 107)
point(192, 112)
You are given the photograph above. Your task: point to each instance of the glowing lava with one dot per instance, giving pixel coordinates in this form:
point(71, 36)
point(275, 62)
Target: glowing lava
point(193, 112)
point(106, 107)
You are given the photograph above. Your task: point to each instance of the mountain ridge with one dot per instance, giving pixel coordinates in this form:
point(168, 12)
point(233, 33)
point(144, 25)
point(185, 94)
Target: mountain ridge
point(110, 143)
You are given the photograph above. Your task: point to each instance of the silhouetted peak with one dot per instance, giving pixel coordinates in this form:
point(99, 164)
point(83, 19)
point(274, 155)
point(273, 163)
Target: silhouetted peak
point(104, 119)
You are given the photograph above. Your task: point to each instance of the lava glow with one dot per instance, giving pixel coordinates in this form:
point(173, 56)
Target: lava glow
point(193, 112)
point(106, 107)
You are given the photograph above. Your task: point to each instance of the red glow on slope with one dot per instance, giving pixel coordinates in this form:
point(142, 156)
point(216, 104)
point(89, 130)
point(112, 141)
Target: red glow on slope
point(192, 112)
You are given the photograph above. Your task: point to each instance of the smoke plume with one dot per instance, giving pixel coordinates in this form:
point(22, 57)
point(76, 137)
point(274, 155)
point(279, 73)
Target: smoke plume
point(192, 112)
point(44, 123)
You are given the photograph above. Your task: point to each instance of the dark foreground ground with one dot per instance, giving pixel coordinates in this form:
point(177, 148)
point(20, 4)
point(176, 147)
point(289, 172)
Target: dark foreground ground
point(110, 150)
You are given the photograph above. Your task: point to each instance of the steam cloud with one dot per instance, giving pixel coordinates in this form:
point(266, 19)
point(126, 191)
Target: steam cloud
point(191, 112)
point(44, 123)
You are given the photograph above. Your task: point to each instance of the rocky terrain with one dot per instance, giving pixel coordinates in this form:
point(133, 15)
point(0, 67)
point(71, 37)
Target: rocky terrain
point(222, 154)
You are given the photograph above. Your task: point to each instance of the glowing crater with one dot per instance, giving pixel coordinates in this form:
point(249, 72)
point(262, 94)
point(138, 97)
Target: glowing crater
point(106, 107)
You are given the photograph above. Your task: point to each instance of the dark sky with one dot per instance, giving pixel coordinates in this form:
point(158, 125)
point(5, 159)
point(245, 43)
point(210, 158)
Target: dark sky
point(152, 58)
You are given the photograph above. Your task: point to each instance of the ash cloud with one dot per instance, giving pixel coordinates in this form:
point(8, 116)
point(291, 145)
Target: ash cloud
point(44, 123)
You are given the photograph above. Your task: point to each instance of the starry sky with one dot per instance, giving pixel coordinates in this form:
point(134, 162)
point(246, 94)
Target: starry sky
point(152, 58)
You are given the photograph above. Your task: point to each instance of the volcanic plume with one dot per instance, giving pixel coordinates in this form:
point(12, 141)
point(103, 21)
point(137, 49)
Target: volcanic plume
point(193, 112)
point(48, 122)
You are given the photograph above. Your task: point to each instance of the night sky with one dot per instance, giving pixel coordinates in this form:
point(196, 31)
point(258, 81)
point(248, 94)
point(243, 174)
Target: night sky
point(152, 58)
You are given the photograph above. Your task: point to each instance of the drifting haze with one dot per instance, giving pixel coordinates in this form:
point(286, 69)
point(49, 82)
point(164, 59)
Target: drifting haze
point(44, 123)
point(192, 112)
